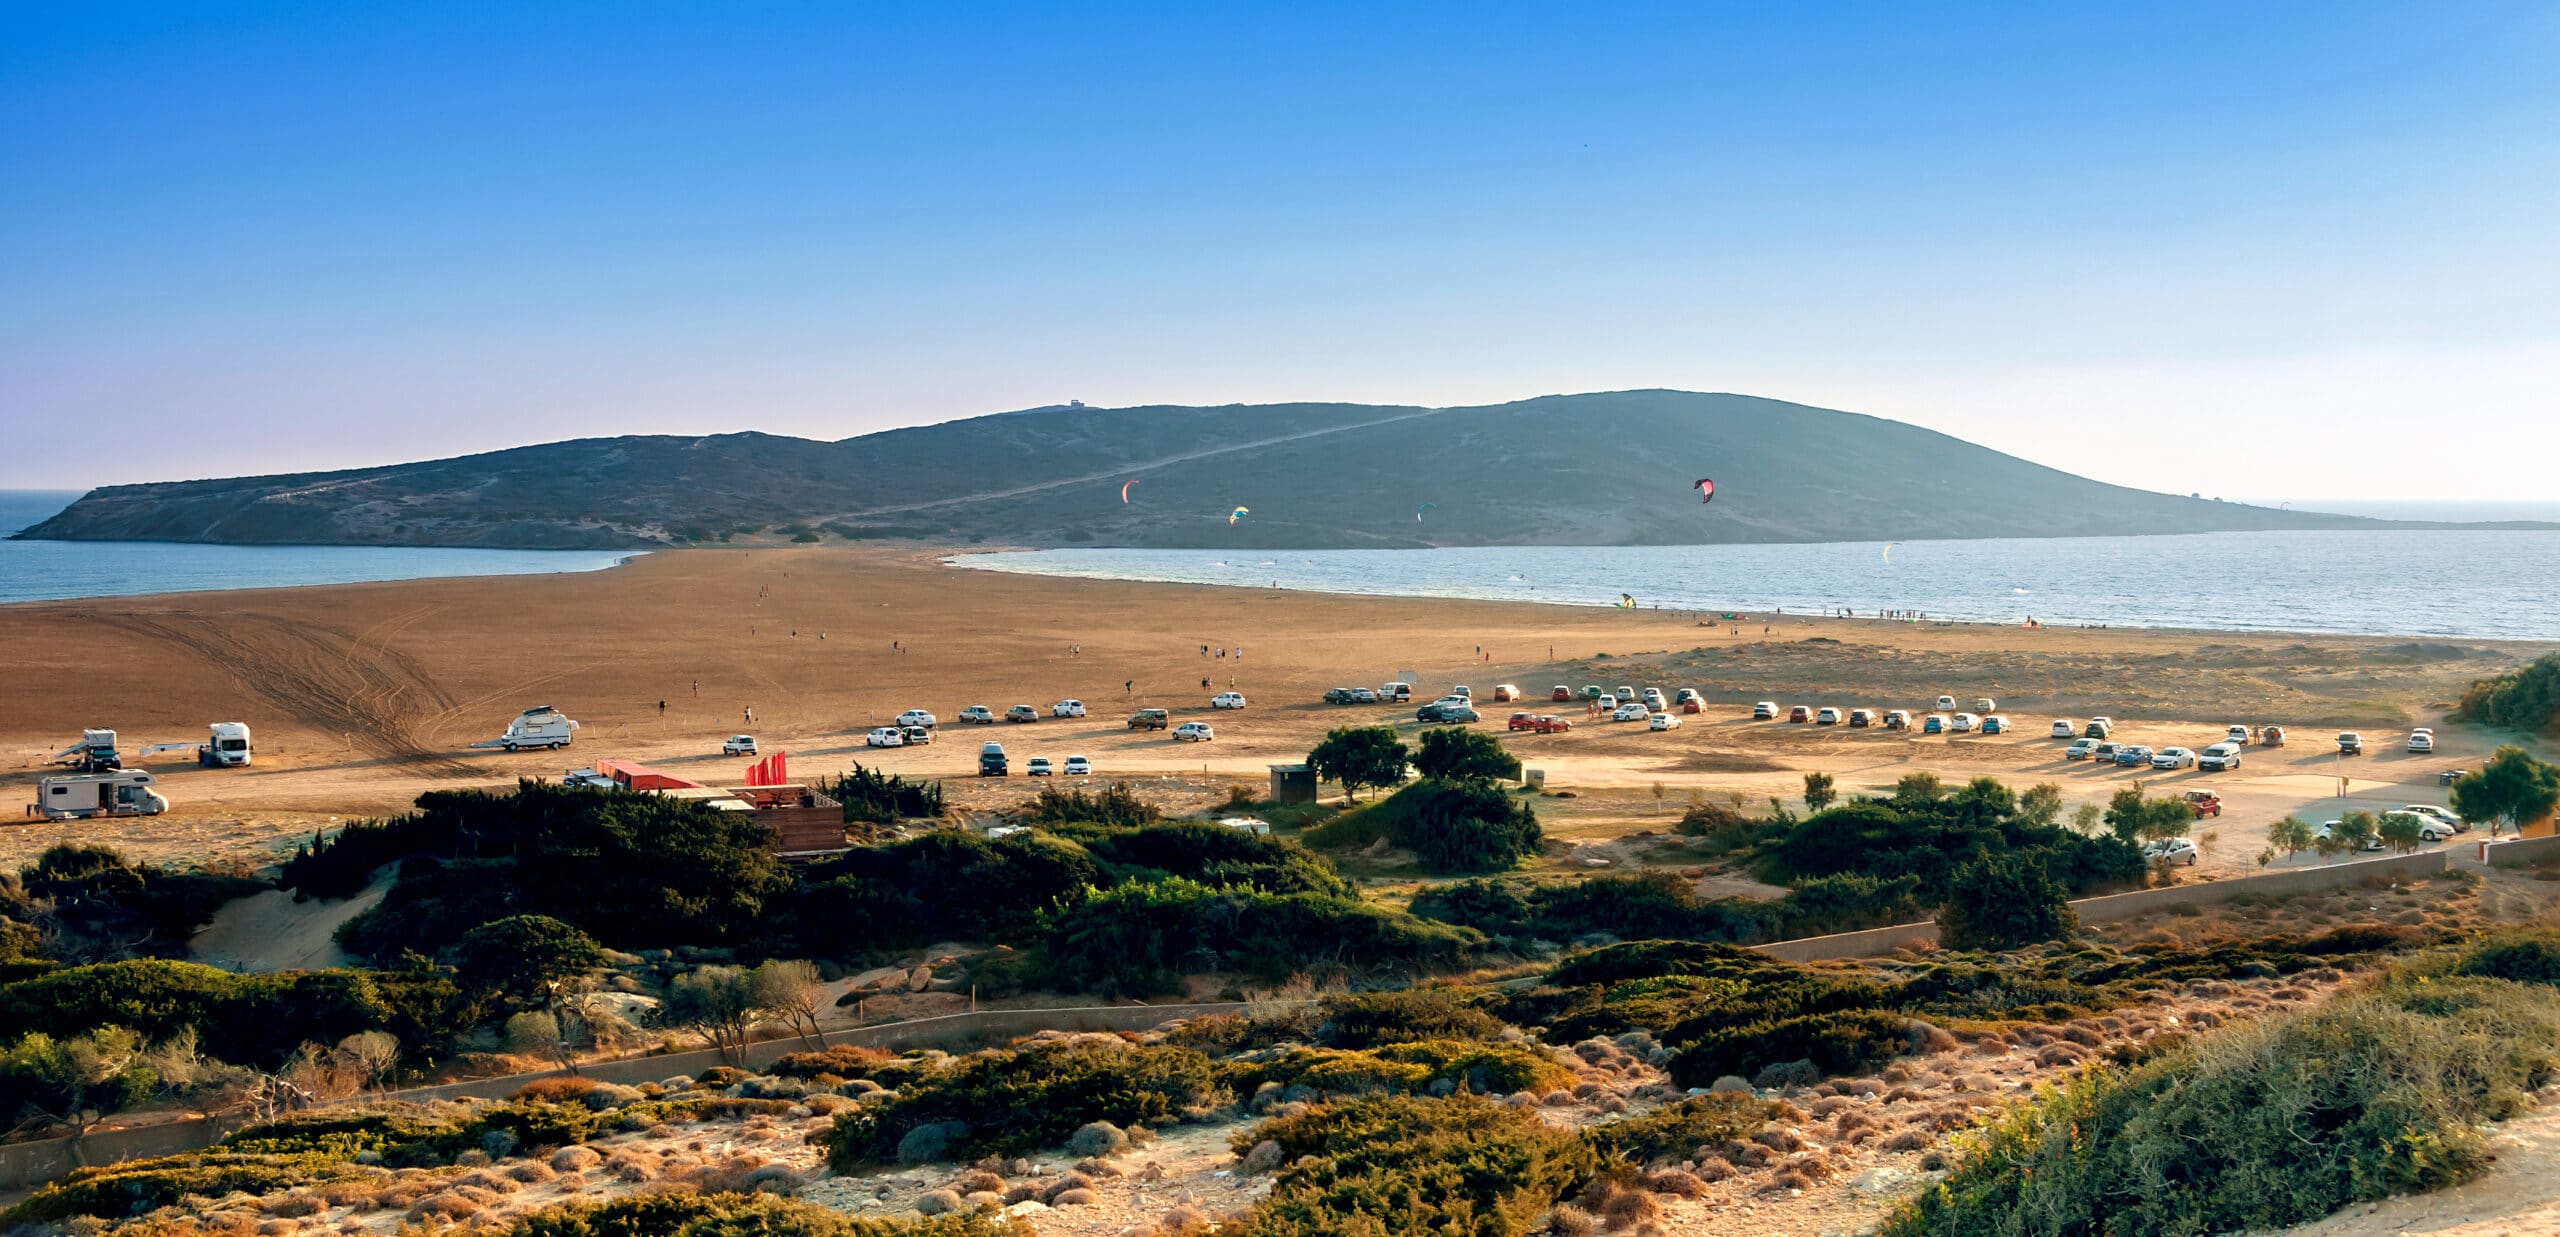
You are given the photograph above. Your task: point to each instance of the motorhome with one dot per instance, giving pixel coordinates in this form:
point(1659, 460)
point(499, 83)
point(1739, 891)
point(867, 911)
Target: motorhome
point(539, 726)
point(72, 796)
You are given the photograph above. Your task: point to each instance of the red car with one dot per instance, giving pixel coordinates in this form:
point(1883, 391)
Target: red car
point(1524, 721)
point(1552, 725)
point(1693, 705)
point(2204, 803)
point(1561, 692)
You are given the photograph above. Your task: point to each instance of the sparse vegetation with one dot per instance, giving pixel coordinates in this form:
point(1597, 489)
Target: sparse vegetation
point(1459, 1164)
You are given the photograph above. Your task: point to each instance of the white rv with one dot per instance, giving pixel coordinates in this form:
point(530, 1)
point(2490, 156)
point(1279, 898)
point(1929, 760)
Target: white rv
point(71, 796)
point(539, 726)
point(94, 753)
point(225, 747)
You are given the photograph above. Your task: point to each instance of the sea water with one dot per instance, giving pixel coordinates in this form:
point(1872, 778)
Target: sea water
point(52, 570)
point(2474, 584)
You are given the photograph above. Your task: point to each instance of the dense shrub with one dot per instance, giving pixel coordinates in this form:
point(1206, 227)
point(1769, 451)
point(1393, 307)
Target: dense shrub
point(1647, 905)
point(2525, 957)
point(1457, 754)
point(1115, 805)
point(136, 1186)
point(1452, 826)
point(1007, 1102)
point(746, 1215)
point(2263, 1124)
point(1931, 838)
point(2527, 699)
point(1211, 854)
point(94, 903)
point(1407, 1164)
point(2005, 901)
point(871, 796)
point(1368, 1019)
point(1841, 1042)
point(1142, 938)
point(1676, 1130)
point(250, 1019)
point(1414, 1067)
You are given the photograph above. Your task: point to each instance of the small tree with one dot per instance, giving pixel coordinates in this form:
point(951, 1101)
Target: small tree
point(1455, 754)
point(2401, 831)
point(717, 1003)
point(522, 957)
point(788, 991)
point(2002, 901)
point(2085, 819)
point(370, 1056)
point(2292, 835)
point(2513, 789)
point(1661, 794)
point(2041, 806)
point(537, 1034)
point(1916, 789)
point(1358, 756)
point(1819, 792)
point(75, 1082)
point(2357, 830)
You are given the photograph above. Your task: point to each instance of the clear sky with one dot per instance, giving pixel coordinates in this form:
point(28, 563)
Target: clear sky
point(2258, 249)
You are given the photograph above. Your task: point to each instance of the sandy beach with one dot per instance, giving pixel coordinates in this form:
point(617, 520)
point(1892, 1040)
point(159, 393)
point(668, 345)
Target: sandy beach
point(363, 696)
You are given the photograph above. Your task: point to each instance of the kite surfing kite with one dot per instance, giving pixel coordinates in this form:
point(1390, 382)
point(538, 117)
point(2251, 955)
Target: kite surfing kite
point(1626, 601)
point(1417, 512)
point(1232, 516)
point(1888, 550)
point(1124, 492)
point(1706, 488)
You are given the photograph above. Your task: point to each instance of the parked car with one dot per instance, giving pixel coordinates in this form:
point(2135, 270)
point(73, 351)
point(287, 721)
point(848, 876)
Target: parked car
point(1526, 721)
point(885, 736)
point(916, 717)
point(2133, 755)
point(1860, 719)
point(1591, 691)
point(1069, 708)
point(1194, 732)
point(1685, 695)
point(978, 715)
point(1227, 700)
point(1505, 691)
point(2271, 736)
point(2079, 749)
point(1985, 704)
point(1946, 704)
point(1461, 692)
point(2065, 728)
point(991, 761)
point(1038, 767)
point(1607, 702)
point(1364, 695)
point(1829, 716)
point(1078, 766)
point(2447, 777)
point(1560, 693)
point(2336, 828)
point(1935, 723)
point(1447, 711)
point(1694, 704)
point(1337, 695)
point(2173, 758)
point(1897, 719)
point(738, 745)
point(1964, 723)
point(2350, 743)
point(1653, 696)
point(917, 736)
point(2099, 728)
point(2219, 758)
point(1994, 723)
point(1399, 693)
point(1631, 711)
point(1626, 693)
point(2169, 852)
point(1663, 721)
point(1766, 710)
point(2236, 736)
point(1150, 719)
point(1800, 713)
point(2102, 753)
point(2429, 828)
point(1549, 723)
point(2204, 803)
point(1022, 713)
point(2434, 813)
point(2422, 740)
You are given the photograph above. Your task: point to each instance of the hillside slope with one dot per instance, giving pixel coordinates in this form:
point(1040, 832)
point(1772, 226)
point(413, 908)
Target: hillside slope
point(1612, 468)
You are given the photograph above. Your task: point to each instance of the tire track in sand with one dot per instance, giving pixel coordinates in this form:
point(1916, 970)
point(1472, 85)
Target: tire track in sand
point(368, 692)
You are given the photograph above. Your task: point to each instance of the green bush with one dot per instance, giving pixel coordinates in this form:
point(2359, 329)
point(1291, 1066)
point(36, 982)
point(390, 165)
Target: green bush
point(1452, 826)
point(869, 795)
point(130, 1188)
point(1854, 1041)
point(1676, 1130)
point(1646, 905)
point(2003, 902)
point(1457, 754)
point(1412, 1067)
point(2260, 1125)
point(1142, 938)
point(250, 1019)
point(1028, 1099)
point(1115, 805)
point(1368, 1019)
point(2527, 699)
point(746, 1215)
point(1460, 1165)
point(2524, 957)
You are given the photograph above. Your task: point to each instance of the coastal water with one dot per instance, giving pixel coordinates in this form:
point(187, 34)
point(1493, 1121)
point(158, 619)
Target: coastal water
point(2503, 585)
point(52, 570)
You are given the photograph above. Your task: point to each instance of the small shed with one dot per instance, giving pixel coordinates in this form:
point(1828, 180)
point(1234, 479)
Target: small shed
point(1293, 784)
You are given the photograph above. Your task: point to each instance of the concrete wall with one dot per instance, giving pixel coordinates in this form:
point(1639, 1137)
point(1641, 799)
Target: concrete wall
point(31, 1163)
point(1865, 944)
point(2523, 852)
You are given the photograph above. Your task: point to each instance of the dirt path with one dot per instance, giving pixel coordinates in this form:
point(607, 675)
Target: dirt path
point(2518, 1197)
point(271, 932)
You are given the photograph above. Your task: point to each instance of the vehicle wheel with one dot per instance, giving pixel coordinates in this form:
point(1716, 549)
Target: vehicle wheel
point(511, 747)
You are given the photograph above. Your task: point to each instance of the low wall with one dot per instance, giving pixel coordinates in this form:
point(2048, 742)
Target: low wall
point(2272, 884)
point(1865, 944)
point(2524, 851)
point(31, 1163)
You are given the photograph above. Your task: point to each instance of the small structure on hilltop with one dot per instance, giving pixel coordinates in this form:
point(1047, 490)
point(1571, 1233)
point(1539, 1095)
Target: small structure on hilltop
point(1293, 783)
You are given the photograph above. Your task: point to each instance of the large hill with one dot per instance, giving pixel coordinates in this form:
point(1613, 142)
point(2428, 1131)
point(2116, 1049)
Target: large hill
point(1601, 469)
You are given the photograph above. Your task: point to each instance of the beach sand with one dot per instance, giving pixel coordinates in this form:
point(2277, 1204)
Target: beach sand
point(362, 696)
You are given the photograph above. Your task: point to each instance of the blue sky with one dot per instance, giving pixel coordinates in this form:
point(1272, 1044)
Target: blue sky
point(2266, 249)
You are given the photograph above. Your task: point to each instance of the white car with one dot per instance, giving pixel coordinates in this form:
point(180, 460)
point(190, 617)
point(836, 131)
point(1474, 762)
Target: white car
point(978, 714)
point(1653, 696)
point(1039, 767)
point(1827, 716)
point(2219, 758)
point(1608, 702)
point(1633, 711)
point(1461, 692)
point(2065, 728)
point(1067, 708)
point(1078, 766)
point(2173, 758)
point(917, 717)
point(885, 736)
point(1194, 732)
point(1663, 721)
point(2422, 740)
point(2330, 828)
point(2432, 812)
point(1946, 704)
point(2429, 828)
point(2172, 851)
point(2236, 736)
point(738, 745)
point(1227, 700)
point(1765, 711)
point(1964, 723)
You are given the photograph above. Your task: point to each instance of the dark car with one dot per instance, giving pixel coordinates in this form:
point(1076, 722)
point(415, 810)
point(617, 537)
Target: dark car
point(992, 762)
point(1338, 695)
point(1438, 711)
